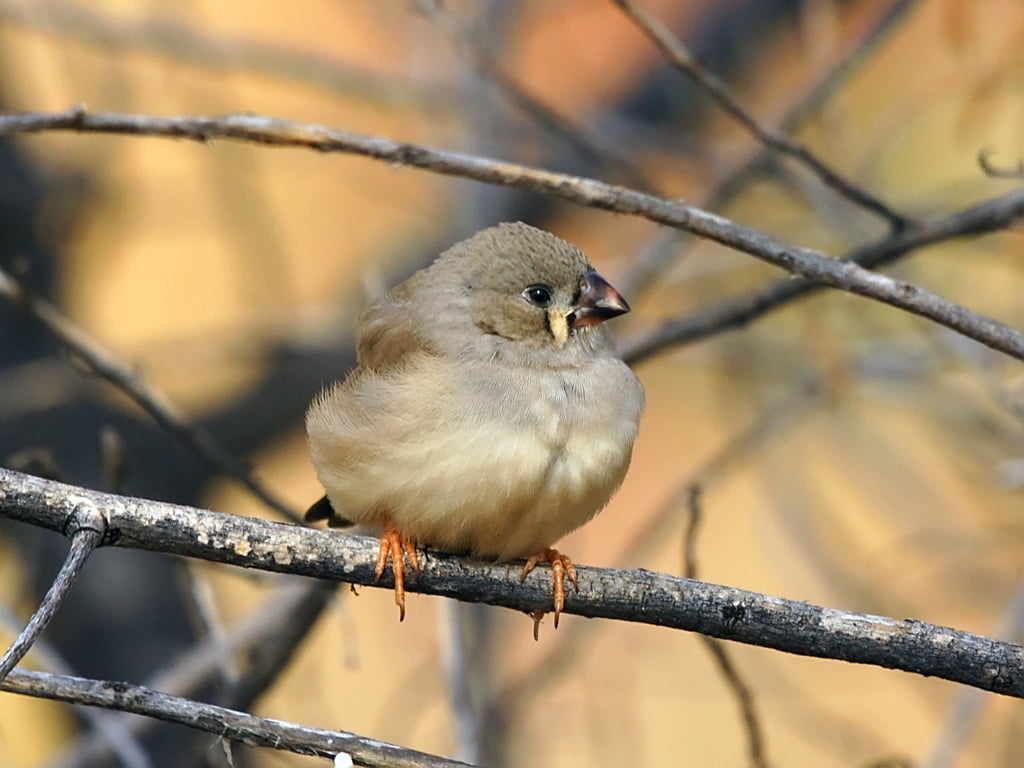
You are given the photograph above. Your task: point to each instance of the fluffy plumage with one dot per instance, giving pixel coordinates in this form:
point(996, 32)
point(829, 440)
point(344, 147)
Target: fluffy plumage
point(489, 412)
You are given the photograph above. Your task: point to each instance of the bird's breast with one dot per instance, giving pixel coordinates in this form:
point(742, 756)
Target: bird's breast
point(498, 463)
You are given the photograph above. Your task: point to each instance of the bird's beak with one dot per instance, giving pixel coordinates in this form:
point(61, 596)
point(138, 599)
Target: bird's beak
point(598, 301)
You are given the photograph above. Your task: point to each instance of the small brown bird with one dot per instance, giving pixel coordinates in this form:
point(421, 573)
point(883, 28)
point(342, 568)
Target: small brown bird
point(489, 412)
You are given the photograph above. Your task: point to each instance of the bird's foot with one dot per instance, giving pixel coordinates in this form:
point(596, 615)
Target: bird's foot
point(396, 547)
point(561, 566)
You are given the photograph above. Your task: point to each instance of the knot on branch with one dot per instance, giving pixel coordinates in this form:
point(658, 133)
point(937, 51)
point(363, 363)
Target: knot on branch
point(87, 517)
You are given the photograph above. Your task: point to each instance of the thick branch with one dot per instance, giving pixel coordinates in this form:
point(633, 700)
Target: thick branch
point(804, 262)
point(639, 595)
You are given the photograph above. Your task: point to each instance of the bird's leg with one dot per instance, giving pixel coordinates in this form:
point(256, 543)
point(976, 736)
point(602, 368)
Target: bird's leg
point(397, 547)
point(561, 566)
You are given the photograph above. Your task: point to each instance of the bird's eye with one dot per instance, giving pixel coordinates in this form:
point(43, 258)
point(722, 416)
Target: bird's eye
point(538, 294)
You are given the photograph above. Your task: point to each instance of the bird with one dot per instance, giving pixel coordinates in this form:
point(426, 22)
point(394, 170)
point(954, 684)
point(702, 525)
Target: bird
point(488, 414)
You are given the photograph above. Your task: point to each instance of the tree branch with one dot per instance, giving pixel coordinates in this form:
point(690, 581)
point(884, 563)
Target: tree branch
point(756, 748)
point(989, 216)
point(1015, 172)
point(812, 265)
point(488, 69)
point(185, 45)
point(283, 617)
point(676, 53)
point(656, 257)
point(85, 527)
point(638, 595)
point(150, 400)
point(220, 721)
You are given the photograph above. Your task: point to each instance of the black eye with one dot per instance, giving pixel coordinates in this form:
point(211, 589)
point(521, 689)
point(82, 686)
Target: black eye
point(538, 294)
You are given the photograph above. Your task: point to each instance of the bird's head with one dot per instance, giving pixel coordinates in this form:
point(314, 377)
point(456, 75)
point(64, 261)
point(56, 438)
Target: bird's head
point(533, 296)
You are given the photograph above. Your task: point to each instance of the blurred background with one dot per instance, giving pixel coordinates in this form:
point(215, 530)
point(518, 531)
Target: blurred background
point(847, 454)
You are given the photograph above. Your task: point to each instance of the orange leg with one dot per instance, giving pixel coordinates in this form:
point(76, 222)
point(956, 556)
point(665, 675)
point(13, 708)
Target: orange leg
point(396, 547)
point(561, 566)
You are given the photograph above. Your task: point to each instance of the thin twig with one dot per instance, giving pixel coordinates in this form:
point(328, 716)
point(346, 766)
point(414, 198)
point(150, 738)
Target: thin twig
point(989, 216)
point(149, 399)
point(692, 493)
point(113, 456)
point(717, 649)
point(638, 596)
point(487, 68)
point(258, 638)
point(1015, 172)
point(815, 266)
point(678, 55)
point(220, 721)
point(110, 731)
point(280, 647)
point(86, 528)
point(198, 594)
point(840, 72)
point(658, 255)
point(186, 45)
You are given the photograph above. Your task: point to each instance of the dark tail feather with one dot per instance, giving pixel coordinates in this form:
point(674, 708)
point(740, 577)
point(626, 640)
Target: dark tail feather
point(322, 510)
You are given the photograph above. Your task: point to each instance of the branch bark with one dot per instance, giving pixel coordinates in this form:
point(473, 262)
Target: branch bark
point(637, 595)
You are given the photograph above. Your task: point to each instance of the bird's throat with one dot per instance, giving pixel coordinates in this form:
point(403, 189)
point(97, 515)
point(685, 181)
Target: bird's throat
point(558, 324)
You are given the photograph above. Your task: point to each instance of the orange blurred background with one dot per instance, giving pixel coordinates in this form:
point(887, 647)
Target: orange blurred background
point(850, 455)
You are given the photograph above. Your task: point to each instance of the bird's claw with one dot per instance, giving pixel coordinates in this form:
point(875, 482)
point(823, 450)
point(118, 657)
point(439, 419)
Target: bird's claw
point(561, 566)
point(396, 547)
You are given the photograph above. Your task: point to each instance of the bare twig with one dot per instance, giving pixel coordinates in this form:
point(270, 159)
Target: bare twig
point(153, 402)
point(86, 527)
point(225, 723)
point(639, 596)
point(113, 457)
point(1015, 172)
point(717, 649)
point(676, 53)
point(989, 216)
point(201, 604)
point(467, 643)
point(185, 45)
point(840, 72)
point(279, 647)
point(109, 731)
point(663, 251)
point(487, 68)
point(845, 275)
point(279, 620)
point(692, 493)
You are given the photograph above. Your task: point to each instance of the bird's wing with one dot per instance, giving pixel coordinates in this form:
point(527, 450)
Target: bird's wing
point(388, 332)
